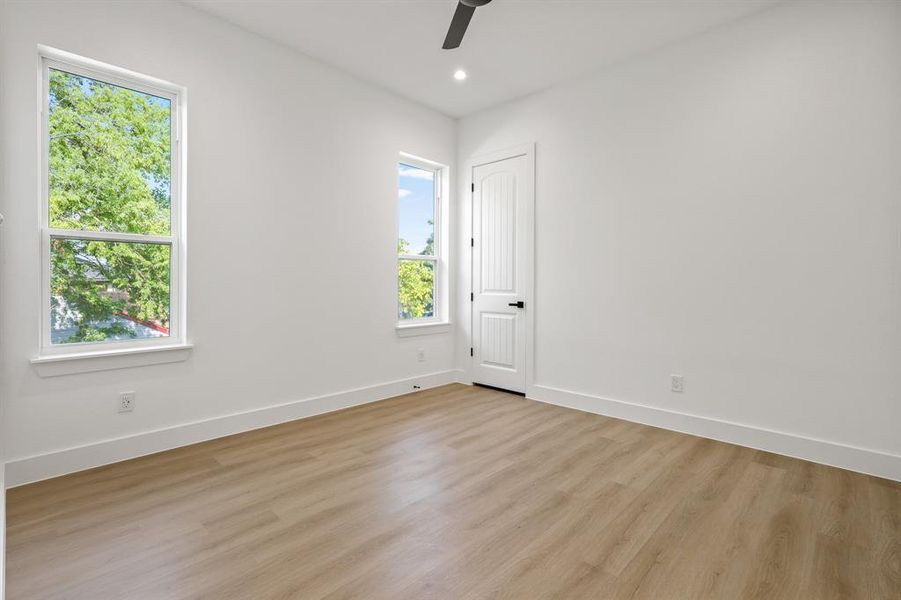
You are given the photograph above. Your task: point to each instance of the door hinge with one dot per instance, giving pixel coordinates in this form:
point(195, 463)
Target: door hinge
point(472, 297)
point(473, 188)
point(472, 242)
point(470, 351)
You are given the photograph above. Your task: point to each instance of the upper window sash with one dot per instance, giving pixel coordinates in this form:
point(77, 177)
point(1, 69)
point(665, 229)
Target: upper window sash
point(52, 59)
point(436, 170)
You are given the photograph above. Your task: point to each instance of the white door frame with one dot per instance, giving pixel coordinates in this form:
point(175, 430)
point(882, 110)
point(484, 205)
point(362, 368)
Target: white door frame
point(527, 150)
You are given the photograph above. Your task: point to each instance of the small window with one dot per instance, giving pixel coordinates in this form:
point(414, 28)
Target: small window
point(418, 264)
point(112, 207)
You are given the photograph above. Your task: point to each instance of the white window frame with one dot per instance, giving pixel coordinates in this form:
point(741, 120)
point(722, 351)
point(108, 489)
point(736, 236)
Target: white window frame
point(439, 319)
point(77, 65)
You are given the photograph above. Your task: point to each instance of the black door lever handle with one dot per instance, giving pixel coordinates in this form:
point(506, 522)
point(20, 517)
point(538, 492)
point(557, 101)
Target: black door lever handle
point(519, 304)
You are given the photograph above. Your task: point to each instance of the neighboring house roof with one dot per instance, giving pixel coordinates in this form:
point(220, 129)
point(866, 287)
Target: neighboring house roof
point(63, 326)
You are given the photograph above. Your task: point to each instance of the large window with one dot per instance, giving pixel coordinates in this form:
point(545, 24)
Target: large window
point(112, 208)
point(418, 264)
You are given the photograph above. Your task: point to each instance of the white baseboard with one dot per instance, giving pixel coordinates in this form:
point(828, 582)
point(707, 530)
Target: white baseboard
point(853, 458)
point(61, 462)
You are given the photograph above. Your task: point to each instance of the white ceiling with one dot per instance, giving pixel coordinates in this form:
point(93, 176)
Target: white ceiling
point(512, 47)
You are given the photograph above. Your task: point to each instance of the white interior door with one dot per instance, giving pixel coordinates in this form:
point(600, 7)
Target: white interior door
point(500, 272)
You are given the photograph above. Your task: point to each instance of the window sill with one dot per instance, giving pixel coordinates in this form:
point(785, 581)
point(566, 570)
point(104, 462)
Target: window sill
point(414, 329)
point(53, 365)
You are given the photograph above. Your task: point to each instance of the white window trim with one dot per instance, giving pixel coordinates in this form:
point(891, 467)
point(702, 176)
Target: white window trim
point(100, 353)
point(440, 322)
point(421, 328)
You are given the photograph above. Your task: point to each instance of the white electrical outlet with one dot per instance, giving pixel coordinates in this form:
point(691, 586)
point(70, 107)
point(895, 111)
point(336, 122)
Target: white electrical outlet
point(420, 355)
point(126, 402)
point(678, 383)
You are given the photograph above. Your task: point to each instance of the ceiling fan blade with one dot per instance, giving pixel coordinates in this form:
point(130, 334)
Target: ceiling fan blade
point(458, 26)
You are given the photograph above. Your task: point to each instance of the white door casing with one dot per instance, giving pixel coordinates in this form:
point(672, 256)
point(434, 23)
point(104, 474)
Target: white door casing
point(502, 206)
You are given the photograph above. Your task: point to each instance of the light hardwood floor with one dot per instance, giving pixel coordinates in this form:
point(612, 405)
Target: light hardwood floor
point(452, 493)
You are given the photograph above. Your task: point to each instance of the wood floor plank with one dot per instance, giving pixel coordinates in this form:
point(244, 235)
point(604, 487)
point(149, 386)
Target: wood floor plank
point(456, 493)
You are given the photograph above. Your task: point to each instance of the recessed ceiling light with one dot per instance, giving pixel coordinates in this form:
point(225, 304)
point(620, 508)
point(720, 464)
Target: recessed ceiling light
point(459, 74)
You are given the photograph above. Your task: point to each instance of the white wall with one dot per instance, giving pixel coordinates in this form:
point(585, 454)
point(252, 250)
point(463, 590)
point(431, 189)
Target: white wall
point(291, 226)
point(727, 208)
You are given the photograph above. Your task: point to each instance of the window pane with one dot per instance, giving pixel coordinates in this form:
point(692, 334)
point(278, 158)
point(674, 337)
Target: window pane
point(110, 155)
point(416, 196)
point(416, 289)
point(103, 291)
